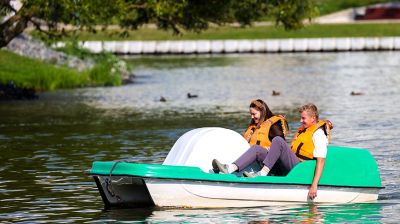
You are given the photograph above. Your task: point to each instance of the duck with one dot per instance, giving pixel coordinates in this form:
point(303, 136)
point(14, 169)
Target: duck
point(191, 96)
point(275, 93)
point(356, 93)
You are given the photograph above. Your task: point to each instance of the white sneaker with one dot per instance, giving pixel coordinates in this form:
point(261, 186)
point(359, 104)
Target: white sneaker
point(219, 167)
point(251, 174)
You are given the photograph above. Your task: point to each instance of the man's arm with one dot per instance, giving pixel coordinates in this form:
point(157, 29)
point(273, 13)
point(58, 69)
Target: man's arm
point(312, 193)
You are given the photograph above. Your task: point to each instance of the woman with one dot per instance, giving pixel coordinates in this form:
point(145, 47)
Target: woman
point(263, 128)
point(310, 142)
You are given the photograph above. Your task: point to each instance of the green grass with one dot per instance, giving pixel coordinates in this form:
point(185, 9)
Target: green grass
point(257, 32)
point(42, 76)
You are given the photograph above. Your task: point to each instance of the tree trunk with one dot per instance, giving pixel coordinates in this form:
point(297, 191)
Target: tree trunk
point(11, 28)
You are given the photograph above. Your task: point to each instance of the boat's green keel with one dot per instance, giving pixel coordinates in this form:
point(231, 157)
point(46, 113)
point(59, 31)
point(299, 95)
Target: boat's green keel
point(125, 192)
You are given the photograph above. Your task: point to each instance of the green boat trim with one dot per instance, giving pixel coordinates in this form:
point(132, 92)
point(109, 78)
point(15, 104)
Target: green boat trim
point(344, 167)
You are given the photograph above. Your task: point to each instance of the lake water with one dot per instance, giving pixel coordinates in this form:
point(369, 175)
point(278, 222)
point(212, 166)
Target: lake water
point(47, 144)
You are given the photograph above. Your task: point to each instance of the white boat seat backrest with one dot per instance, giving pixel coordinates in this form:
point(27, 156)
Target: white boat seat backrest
point(200, 146)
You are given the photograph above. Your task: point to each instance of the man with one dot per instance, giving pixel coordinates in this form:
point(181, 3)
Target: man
point(310, 142)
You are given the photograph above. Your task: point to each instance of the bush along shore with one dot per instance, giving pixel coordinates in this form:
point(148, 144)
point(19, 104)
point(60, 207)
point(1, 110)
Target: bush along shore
point(28, 66)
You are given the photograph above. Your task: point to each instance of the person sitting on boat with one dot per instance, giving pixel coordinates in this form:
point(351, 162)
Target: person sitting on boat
point(310, 142)
point(264, 126)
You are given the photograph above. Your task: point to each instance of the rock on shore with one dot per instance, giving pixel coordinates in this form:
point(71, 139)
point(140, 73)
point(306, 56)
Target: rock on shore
point(26, 46)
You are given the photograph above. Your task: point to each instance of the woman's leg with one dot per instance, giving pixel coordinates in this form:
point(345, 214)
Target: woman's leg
point(254, 153)
point(281, 151)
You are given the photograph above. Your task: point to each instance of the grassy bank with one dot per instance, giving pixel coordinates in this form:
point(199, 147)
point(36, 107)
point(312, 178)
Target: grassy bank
point(256, 32)
point(41, 76)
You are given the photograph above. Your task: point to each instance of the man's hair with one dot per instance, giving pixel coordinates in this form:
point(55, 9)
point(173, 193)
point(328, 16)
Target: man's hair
point(311, 109)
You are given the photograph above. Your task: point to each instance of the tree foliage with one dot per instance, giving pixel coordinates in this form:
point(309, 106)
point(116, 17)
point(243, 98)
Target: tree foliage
point(59, 17)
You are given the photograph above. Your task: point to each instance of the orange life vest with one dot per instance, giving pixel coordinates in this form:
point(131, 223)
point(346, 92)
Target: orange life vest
point(302, 143)
point(260, 136)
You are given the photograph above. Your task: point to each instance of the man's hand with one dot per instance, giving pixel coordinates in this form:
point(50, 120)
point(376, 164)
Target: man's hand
point(312, 193)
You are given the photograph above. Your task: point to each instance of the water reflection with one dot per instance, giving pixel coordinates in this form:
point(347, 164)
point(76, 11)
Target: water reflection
point(165, 62)
point(352, 213)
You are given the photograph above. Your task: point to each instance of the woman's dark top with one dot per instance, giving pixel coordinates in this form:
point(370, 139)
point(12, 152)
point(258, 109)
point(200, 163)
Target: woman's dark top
point(276, 130)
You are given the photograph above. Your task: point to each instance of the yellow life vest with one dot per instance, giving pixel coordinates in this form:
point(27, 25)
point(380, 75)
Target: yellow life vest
point(302, 143)
point(260, 136)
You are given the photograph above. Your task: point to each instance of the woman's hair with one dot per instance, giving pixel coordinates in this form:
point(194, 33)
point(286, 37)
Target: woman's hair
point(311, 109)
point(265, 112)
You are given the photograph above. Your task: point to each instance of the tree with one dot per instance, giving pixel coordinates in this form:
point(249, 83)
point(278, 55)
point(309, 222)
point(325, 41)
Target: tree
point(51, 17)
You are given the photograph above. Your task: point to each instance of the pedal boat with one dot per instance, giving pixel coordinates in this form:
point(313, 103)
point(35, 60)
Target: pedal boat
point(186, 178)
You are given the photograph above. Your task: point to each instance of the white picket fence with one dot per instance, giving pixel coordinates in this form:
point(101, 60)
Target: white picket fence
point(244, 46)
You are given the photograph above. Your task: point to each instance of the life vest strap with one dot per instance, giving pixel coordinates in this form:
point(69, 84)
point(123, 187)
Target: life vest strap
point(298, 149)
point(304, 157)
point(301, 131)
point(251, 134)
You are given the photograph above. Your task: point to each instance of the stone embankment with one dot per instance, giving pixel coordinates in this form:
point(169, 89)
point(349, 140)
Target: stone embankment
point(27, 46)
point(244, 46)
